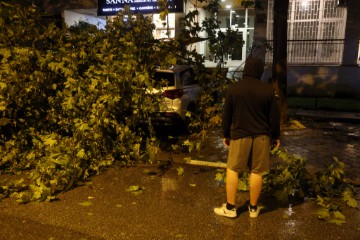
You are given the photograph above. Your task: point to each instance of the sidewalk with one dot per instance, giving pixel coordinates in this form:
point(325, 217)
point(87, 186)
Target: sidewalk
point(353, 117)
point(173, 206)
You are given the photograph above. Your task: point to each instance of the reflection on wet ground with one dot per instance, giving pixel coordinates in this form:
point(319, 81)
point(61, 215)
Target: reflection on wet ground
point(171, 206)
point(320, 142)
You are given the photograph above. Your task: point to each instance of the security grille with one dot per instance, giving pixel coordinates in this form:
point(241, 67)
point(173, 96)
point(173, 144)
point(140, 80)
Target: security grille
point(316, 29)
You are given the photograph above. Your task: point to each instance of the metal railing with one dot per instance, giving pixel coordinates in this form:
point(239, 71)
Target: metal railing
point(312, 52)
point(358, 59)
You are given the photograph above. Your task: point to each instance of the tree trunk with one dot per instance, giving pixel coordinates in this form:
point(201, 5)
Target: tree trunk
point(279, 67)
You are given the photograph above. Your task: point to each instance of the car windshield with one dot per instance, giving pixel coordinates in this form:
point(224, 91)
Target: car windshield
point(166, 78)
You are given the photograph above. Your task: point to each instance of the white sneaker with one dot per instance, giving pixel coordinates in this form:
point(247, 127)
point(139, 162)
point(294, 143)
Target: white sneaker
point(223, 211)
point(254, 213)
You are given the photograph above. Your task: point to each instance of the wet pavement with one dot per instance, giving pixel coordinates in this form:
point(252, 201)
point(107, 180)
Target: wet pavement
point(321, 141)
point(173, 206)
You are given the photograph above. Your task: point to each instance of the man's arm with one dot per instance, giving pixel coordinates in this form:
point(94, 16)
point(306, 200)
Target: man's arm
point(274, 120)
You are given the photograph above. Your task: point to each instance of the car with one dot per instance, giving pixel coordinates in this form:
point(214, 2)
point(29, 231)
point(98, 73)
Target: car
point(181, 94)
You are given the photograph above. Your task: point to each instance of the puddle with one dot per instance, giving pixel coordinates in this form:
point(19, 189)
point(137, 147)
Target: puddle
point(289, 211)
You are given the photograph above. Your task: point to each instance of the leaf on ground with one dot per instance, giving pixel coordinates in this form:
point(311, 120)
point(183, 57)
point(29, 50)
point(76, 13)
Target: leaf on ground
point(179, 235)
point(350, 200)
point(135, 189)
point(86, 204)
point(339, 215)
point(180, 171)
point(337, 221)
point(296, 124)
point(151, 172)
point(242, 186)
point(192, 184)
point(323, 213)
point(219, 177)
point(118, 205)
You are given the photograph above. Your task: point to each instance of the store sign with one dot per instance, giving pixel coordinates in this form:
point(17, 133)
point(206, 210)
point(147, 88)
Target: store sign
point(112, 7)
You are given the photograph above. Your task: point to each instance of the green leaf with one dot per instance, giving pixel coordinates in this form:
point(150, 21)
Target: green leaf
point(242, 185)
point(151, 172)
point(4, 121)
point(349, 199)
point(337, 221)
point(86, 204)
point(352, 202)
point(323, 213)
point(81, 153)
point(180, 171)
point(219, 177)
point(135, 189)
point(50, 142)
point(339, 215)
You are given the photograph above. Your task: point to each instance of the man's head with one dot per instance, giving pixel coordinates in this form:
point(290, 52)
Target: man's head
point(254, 67)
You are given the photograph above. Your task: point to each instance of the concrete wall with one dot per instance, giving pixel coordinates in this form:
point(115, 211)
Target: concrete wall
point(317, 81)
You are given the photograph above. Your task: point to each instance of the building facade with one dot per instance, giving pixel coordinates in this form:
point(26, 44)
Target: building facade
point(323, 41)
point(323, 48)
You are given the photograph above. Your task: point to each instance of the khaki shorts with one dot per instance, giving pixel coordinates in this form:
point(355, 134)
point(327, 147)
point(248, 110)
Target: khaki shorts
point(251, 153)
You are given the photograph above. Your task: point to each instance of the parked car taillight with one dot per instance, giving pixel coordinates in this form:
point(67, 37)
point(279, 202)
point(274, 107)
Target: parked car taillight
point(173, 94)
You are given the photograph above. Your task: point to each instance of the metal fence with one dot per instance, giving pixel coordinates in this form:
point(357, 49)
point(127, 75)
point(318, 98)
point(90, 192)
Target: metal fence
point(312, 52)
point(358, 59)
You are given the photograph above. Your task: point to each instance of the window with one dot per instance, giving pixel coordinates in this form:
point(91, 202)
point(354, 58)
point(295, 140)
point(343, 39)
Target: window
point(316, 31)
point(165, 78)
point(187, 77)
point(241, 20)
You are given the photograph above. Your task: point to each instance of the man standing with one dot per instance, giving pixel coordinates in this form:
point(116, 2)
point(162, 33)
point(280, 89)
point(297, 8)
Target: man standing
point(251, 123)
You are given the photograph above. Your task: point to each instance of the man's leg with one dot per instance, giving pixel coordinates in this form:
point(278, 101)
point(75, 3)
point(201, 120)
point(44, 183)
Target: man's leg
point(255, 188)
point(228, 209)
point(232, 179)
point(255, 191)
point(259, 165)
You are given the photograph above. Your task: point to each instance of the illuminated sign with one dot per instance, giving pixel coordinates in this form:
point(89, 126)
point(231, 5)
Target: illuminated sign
point(112, 7)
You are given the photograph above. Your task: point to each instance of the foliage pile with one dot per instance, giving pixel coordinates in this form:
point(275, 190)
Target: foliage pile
point(71, 98)
point(289, 181)
point(328, 188)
